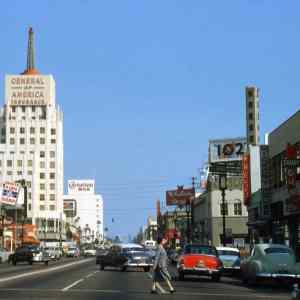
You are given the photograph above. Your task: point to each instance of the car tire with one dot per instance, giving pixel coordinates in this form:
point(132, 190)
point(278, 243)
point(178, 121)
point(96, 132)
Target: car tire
point(216, 277)
point(180, 275)
point(0, 260)
point(123, 268)
point(30, 262)
point(102, 267)
point(47, 263)
point(146, 269)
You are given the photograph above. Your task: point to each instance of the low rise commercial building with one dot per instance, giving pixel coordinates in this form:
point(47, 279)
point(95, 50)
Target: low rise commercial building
point(208, 218)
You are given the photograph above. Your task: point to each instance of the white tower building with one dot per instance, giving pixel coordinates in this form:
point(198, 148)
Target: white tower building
point(31, 137)
point(89, 209)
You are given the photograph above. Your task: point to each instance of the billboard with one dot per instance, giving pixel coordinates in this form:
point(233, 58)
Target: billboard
point(180, 197)
point(76, 187)
point(70, 207)
point(227, 149)
point(246, 179)
point(9, 193)
point(28, 90)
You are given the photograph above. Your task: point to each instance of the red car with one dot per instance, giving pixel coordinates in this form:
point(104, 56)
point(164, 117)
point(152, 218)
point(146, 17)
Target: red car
point(199, 260)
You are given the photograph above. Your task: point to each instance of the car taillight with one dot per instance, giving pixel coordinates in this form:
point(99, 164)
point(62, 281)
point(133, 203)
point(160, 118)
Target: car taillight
point(181, 262)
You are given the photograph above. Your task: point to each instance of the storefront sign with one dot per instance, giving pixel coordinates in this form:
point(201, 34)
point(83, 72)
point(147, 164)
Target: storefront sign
point(246, 179)
point(290, 164)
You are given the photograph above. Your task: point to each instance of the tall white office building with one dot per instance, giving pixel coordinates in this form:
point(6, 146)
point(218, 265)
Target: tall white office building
point(31, 137)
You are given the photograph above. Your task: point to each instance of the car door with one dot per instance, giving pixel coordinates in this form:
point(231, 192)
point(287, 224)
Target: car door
point(109, 258)
point(120, 257)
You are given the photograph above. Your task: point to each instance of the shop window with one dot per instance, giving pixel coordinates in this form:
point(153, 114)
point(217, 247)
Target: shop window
point(238, 209)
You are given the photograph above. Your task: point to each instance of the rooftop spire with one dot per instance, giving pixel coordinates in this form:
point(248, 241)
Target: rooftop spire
point(30, 55)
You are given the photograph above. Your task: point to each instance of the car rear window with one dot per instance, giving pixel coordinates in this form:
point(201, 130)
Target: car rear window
point(228, 252)
point(275, 250)
point(193, 249)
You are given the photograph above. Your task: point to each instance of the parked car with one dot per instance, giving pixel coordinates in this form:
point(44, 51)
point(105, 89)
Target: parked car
point(230, 258)
point(270, 261)
point(54, 252)
point(199, 259)
point(89, 252)
point(4, 255)
point(30, 254)
point(73, 252)
point(125, 256)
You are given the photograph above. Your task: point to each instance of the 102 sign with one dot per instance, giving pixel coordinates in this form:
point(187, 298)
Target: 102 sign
point(228, 150)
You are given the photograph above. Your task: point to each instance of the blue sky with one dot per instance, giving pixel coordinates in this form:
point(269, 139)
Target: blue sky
point(145, 84)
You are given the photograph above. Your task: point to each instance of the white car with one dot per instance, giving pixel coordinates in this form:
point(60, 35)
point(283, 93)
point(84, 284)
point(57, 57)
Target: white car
point(89, 252)
point(73, 252)
point(230, 258)
point(54, 252)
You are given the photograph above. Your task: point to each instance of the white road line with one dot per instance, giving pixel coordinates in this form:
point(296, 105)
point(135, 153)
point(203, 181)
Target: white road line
point(71, 285)
point(47, 270)
point(90, 275)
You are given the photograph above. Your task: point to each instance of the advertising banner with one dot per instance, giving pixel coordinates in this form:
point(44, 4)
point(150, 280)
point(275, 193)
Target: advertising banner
point(227, 149)
point(8, 193)
point(246, 179)
point(180, 197)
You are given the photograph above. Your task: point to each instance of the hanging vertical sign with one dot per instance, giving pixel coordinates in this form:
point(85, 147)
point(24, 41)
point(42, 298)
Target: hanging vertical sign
point(246, 179)
point(8, 193)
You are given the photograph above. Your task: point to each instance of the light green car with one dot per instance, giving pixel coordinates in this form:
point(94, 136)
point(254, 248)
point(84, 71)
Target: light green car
point(270, 261)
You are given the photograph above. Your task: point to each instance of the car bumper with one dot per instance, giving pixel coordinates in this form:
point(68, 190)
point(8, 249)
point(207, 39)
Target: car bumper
point(199, 271)
point(231, 268)
point(138, 265)
point(278, 275)
point(40, 259)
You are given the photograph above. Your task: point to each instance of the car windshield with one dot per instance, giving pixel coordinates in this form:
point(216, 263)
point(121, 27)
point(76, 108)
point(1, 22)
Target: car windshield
point(277, 250)
point(228, 252)
point(194, 249)
point(34, 249)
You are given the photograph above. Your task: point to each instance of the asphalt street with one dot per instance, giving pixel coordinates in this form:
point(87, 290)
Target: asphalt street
point(82, 279)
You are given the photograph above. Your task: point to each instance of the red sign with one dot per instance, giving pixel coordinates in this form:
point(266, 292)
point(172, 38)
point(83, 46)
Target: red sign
point(246, 179)
point(180, 197)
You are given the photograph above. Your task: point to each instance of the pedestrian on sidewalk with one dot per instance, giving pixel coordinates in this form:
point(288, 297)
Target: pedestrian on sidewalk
point(160, 266)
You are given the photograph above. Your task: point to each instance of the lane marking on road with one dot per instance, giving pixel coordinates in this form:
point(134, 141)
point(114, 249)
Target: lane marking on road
point(90, 275)
point(71, 285)
point(161, 289)
point(48, 270)
point(247, 296)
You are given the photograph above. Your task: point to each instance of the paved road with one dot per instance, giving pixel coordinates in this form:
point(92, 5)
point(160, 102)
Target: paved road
point(82, 279)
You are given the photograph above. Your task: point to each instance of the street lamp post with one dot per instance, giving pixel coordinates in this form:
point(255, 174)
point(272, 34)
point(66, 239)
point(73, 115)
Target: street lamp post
point(188, 227)
point(223, 187)
point(3, 215)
